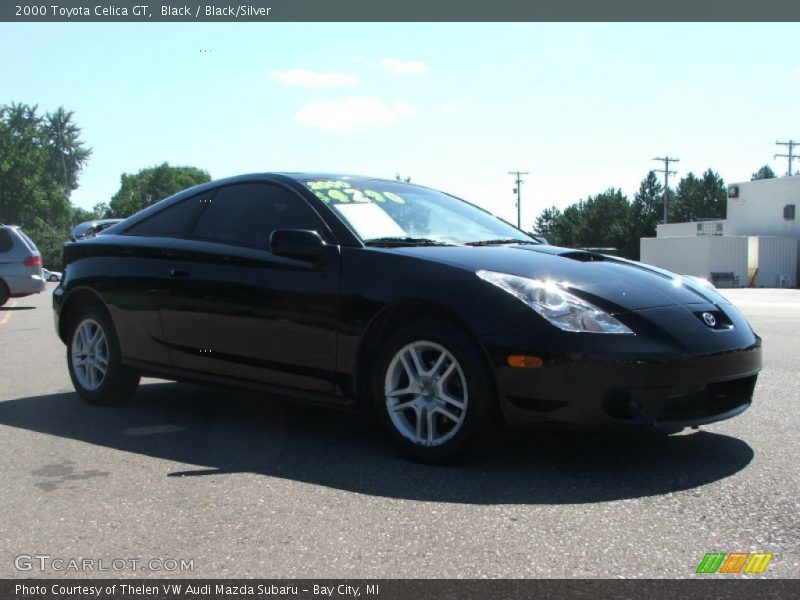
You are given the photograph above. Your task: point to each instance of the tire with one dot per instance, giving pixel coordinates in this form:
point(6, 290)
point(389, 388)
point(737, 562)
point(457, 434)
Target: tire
point(94, 363)
point(4, 293)
point(53, 278)
point(440, 407)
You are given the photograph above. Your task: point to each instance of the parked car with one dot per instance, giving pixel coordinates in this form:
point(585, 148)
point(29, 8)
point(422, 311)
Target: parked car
point(431, 313)
point(90, 228)
point(20, 264)
point(51, 275)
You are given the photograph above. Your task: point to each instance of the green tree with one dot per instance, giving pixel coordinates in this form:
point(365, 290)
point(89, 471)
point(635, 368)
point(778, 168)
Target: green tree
point(647, 211)
point(546, 222)
point(79, 215)
point(67, 153)
point(696, 198)
point(601, 221)
point(684, 206)
point(713, 201)
point(102, 210)
point(606, 221)
point(764, 172)
point(41, 157)
point(568, 230)
point(152, 184)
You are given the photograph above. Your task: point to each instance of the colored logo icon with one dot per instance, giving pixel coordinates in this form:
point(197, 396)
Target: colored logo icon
point(734, 562)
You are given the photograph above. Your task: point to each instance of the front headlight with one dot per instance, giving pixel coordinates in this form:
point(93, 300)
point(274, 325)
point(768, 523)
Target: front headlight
point(564, 310)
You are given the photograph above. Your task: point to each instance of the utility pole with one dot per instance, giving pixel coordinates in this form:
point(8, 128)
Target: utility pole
point(791, 156)
point(518, 192)
point(666, 160)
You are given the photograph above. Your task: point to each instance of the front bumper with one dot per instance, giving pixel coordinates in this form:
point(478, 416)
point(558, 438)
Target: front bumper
point(630, 392)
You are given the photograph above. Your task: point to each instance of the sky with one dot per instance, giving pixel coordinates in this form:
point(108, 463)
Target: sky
point(582, 107)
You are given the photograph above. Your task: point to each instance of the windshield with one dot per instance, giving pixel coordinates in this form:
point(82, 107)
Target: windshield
point(388, 213)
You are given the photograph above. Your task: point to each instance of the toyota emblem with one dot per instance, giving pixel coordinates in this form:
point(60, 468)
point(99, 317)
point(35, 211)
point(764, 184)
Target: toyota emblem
point(709, 319)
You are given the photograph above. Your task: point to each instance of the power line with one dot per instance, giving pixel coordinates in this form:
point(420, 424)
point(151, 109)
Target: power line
point(791, 156)
point(518, 191)
point(666, 160)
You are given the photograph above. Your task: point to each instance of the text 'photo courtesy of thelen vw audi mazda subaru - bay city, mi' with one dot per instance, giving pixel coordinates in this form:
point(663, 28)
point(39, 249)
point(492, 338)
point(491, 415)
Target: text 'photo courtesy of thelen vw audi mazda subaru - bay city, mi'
point(438, 318)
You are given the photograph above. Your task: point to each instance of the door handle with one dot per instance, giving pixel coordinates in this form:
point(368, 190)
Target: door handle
point(178, 274)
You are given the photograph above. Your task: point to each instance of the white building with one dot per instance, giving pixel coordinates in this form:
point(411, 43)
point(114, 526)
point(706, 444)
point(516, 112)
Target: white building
point(757, 244)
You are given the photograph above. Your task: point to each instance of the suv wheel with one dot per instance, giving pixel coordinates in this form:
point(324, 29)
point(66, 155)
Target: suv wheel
point(94, 361)
point(4, 293)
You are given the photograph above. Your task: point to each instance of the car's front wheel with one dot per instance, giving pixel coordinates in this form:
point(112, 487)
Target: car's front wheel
point(94, 361)
point(432, 392)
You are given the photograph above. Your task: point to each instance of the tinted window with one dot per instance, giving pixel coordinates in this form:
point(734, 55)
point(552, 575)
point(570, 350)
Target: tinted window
point(6, 243)
point(170, 222)
point(248, 213)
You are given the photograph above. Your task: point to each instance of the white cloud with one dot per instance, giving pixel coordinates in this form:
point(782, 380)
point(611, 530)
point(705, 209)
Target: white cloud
point(352, 113)
point(797, 70)
point(451, 108)
point(357, 58)
point(405, 110)
point(404, 67)
point(311, 79)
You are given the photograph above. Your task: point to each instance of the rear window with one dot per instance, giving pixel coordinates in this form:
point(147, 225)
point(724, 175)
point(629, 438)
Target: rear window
point(28, 241)
point(6, 243)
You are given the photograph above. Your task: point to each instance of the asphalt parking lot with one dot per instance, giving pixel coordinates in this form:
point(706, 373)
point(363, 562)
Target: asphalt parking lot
point(248, 487)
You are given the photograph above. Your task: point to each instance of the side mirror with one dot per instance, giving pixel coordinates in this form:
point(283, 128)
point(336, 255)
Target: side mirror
point(301, 244)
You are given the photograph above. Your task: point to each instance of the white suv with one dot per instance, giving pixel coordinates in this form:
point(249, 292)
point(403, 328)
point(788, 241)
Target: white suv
point(20, 265)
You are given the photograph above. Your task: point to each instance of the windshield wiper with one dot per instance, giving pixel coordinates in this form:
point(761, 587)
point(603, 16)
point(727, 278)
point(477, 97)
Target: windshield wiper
point(499, 242)
point(403, 241)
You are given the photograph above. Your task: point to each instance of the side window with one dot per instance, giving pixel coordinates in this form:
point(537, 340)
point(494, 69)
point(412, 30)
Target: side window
point(170, 222)
point(6, 243)
point(248, 213)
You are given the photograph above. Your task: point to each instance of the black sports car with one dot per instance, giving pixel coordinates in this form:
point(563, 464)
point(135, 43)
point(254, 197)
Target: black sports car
point(382, 295)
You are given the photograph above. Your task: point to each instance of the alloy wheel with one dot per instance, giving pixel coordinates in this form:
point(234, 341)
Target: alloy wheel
point(426, 393)
point(90, 354)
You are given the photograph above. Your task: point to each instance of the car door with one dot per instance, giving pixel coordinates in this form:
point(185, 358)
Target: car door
point(238, 310)
point(134, 285)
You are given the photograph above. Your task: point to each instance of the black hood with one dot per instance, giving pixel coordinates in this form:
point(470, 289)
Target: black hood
point(626, 285)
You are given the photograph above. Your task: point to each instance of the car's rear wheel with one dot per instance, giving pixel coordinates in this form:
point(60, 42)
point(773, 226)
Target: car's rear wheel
point(432, 392)
point(94, 360)
point(4, 293)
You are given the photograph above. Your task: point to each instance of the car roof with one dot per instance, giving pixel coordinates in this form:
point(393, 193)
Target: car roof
point(317, 175)
point(297, 176)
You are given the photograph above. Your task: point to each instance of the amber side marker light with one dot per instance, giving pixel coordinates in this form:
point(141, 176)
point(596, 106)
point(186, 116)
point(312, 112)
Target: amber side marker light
point(525, 362)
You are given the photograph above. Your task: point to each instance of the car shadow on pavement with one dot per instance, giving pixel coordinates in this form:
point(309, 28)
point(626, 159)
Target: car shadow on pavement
point(12, 308)
point(217, 432)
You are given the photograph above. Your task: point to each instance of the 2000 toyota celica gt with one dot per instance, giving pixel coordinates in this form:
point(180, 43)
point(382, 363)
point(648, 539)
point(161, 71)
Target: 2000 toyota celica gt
point(426, 310)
